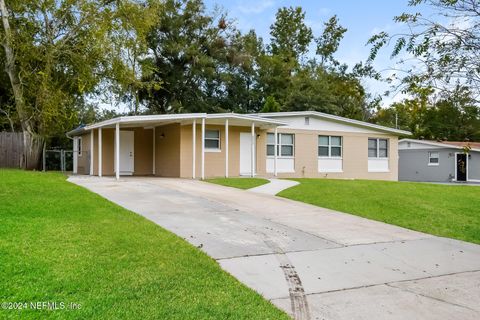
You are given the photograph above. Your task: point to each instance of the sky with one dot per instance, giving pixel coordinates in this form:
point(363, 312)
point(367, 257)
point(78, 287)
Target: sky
point(362, 18)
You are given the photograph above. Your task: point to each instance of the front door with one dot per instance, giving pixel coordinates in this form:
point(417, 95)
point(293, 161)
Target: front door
point(126, 152)
point(246, 154)
point(461, 167)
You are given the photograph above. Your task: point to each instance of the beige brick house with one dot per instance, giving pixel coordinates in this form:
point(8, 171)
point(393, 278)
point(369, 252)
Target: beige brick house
point(283, 144)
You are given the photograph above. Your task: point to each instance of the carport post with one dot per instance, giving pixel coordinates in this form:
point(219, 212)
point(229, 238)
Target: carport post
point(275, 152)
point(153, 150)
point(203, 148)
point(253, 151)
point(226, 148)
point(91, 152)
point(117, 151)
point(99, 152)
point(194, 147)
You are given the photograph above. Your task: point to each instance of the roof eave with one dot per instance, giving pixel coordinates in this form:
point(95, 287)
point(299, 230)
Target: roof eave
point(338, 119)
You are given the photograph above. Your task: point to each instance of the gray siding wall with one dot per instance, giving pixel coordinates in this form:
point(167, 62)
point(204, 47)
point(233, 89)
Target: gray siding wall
point(474, 166)
point(413, 165)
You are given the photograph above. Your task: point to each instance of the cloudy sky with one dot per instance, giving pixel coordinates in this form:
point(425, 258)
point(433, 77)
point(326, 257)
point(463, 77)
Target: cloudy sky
point(362, 19)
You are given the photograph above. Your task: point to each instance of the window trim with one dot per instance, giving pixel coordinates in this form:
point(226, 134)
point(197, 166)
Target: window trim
point(79, 146)
point(430, 157)
point(329, 147)
point(219, 149)
point(378, 148)
point(280, 144)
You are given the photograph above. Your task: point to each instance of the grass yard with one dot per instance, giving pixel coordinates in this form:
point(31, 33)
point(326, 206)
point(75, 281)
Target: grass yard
point(443, 210)
point(240, 183)
point(61, 243)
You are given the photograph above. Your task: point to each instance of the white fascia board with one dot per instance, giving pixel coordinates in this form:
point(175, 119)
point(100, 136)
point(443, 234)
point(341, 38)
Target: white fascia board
point(436, 144)
point(335, 118)
point(253, 118)
point(146, 119)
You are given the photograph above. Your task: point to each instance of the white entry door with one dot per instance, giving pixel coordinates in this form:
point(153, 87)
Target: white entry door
point(246, 154)
point(126, 152)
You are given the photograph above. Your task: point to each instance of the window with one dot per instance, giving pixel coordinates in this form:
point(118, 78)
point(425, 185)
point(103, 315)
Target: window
point(79, 146)
point(433, 158)
point(212, 139)
point(377, 148)
point(285, 144)
point(307, 121)
point(330, 146)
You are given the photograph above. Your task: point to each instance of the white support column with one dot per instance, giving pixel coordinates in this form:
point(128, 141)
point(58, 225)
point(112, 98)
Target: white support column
point(253, 151)
point(153, 151)
point(117, 151)
point(194, 147)
point(203, 148)
point(91, 152)
point(275, 153)
point(75, 155)
point(226, 148)
point(99, 152)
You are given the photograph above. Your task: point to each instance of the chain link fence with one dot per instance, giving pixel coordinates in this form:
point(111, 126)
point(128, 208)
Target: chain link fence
point(58, 160)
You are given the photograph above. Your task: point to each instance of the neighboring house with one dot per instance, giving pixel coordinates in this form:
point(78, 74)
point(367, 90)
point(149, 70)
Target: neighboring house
point(306, 144)
point(445, 161)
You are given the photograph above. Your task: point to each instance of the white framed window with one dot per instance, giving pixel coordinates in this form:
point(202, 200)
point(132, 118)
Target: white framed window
point(377, 148)
point(212, 140)
point(79, 146)
point(330, 147)
point(285, 147)
point(433, 158)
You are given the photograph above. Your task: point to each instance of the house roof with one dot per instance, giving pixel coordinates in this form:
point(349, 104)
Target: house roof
point(148, 120)
point(334, 118)
point(474, 146)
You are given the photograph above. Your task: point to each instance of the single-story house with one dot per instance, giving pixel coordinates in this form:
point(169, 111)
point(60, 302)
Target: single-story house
point(199, 145)
point(439, 161)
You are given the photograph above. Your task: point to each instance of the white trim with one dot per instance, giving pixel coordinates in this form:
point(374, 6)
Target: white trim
point(194, 143)
point(100, 164)
point(252, 163)
point(91, 152)
point(154, 150)
point(226, 148)
point(145, 120)
point(75, 155)
point(212, 150)
point(203, 149)
point(433, 164)
point(117, 151)
point(436, 144)
point(334, 118)
point(466, 166)
point(251, 117)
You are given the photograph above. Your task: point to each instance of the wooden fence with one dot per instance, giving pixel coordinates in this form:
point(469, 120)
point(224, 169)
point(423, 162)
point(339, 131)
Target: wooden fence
point(11, 150)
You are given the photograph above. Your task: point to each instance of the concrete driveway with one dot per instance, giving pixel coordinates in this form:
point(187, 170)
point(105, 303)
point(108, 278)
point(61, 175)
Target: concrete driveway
point(312, 262)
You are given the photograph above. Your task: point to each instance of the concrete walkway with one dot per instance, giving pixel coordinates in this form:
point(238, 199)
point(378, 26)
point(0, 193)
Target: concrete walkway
point(312, 262)
point(274, 187)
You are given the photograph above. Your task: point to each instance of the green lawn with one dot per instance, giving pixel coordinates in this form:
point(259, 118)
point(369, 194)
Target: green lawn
point(61, 243)
point(240, 183)
point(443, 210)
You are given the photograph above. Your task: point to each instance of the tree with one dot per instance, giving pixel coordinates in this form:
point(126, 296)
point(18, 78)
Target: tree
point(190, 57)
point(329, 41)
point(55, 54)
point(271, 105)
point(443, 51)
point(290, 36)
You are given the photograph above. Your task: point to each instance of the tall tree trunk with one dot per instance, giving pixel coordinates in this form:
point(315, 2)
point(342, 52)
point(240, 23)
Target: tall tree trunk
point(31, 139)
